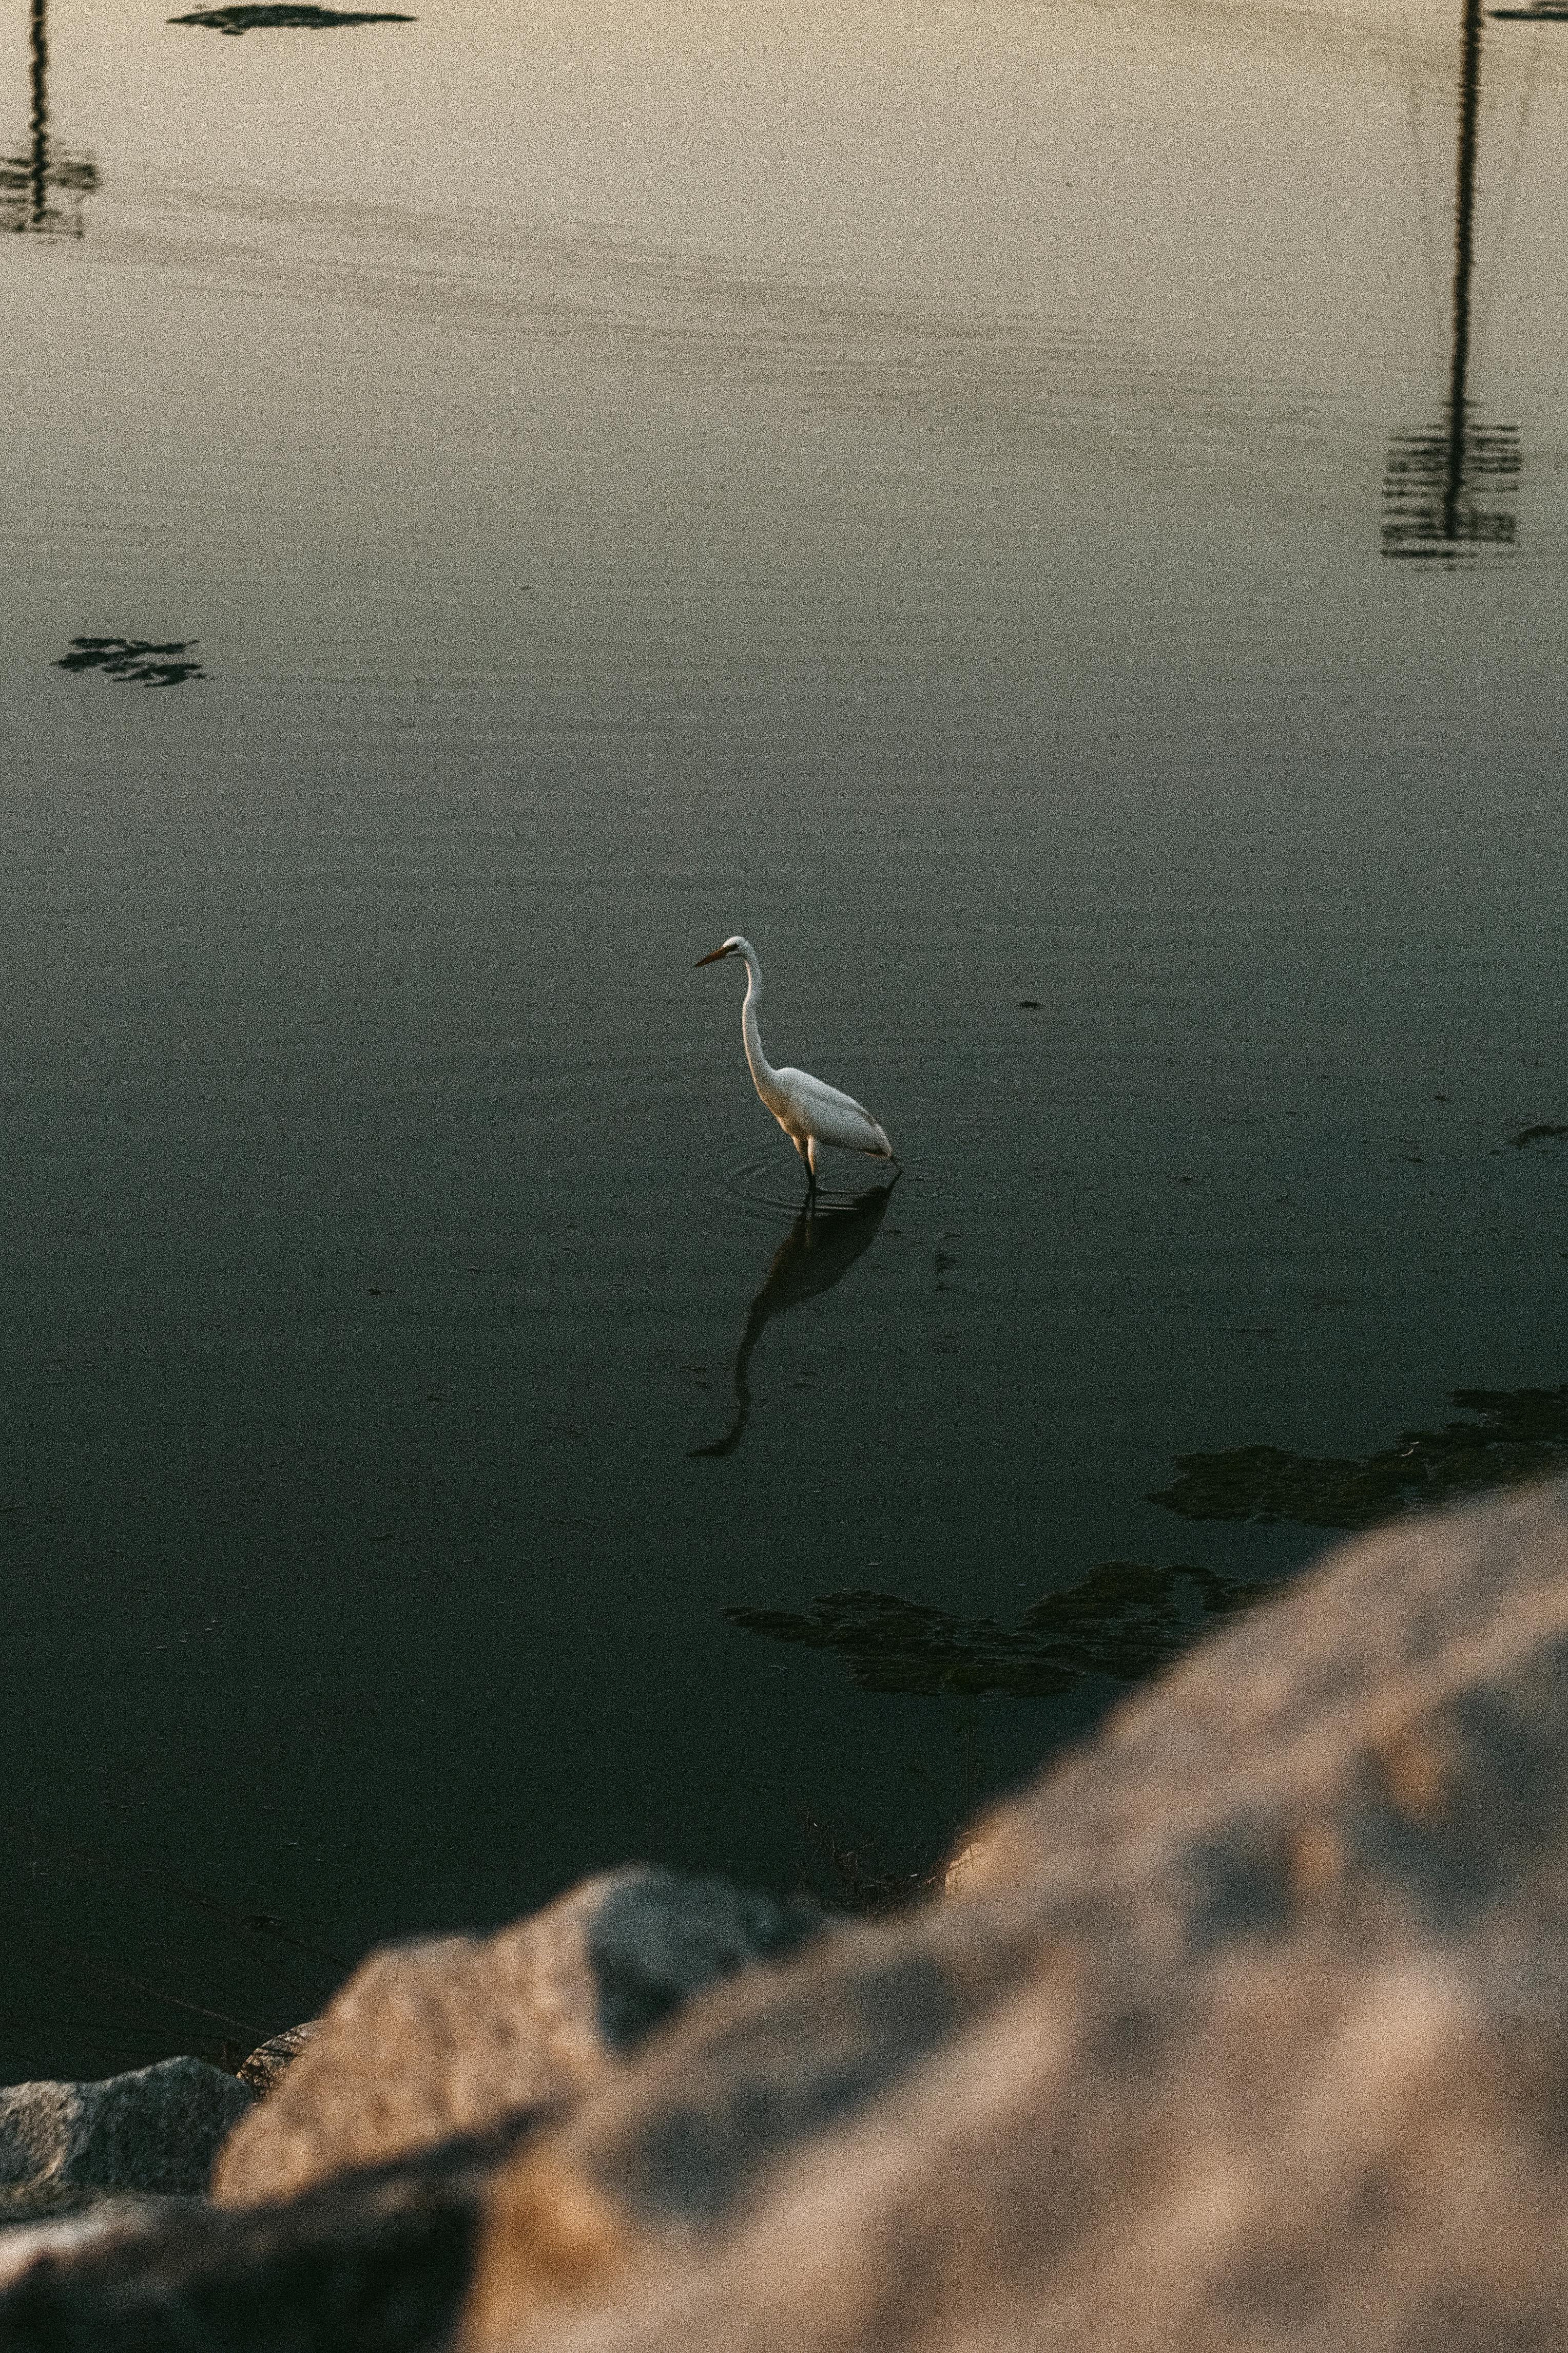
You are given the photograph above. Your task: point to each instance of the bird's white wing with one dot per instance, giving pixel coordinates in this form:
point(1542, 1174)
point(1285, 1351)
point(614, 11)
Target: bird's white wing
point(832, 1117)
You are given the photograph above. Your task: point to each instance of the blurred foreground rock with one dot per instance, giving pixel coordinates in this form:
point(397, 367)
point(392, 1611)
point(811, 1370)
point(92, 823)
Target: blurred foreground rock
point(1247, 2027)
point(454, 2035)
point(68, 2146)
point(371, 2262)
point(434, 2061)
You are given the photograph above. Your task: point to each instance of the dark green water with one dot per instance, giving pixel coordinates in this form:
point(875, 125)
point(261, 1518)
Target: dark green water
point(906, 483)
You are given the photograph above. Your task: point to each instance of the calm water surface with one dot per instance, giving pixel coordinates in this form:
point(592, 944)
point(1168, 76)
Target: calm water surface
point(910, 480)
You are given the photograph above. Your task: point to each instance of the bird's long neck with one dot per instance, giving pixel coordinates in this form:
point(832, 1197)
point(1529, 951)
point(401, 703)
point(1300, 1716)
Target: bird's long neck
point(762, 1069)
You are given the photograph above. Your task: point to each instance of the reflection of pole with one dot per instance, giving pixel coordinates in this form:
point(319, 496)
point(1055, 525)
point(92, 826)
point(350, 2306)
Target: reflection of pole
point(1464, 242)
point(42, 184)
point(1446, 492)
point(39, 174)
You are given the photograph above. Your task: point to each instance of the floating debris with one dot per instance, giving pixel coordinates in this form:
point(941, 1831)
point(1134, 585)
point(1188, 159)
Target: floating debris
point(1516, 1435)
point(126, 1961)
point(134, 660)
point(1124, 1621)
point(293, 19)
point(1537, 1134)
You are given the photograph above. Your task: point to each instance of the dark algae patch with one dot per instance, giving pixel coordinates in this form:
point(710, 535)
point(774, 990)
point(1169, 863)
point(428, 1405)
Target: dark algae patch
point(1127, 1619)
point(293, 19)
point(1124, 1621)
point(1514, 1435)
point(134, 660)
point(1542, 1133)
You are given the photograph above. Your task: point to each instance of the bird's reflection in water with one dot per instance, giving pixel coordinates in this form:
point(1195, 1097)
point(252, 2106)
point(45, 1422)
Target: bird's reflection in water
point(818, 1251)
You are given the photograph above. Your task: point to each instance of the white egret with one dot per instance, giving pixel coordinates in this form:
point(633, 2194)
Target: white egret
point(810, 1112)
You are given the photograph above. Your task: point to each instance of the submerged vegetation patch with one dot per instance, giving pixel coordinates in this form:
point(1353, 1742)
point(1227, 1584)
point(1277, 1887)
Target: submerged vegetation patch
point(134, 660)
point(265, 18)
point(1124, 1621)
point(1127, 1619)
point(1515, 1435)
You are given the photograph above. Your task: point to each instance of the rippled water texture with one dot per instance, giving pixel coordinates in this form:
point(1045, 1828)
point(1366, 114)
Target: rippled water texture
point(1009, 505)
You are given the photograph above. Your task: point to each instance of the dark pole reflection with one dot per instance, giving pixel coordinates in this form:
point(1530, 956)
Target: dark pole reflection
point(1464, 260)
point(1428, 490)
point(32, 183)
point(818, 1251)
point(40, 93)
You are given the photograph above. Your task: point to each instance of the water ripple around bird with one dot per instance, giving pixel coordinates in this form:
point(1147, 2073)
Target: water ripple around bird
point(769, 1185)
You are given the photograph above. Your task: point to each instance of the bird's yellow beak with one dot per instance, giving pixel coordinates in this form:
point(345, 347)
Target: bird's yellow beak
point(712, 958)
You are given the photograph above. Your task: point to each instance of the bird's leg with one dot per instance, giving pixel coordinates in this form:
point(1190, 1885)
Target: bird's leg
point(811, 1169)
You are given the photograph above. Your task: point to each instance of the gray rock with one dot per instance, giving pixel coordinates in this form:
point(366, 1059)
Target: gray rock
point(267, 2063)
point(1244, 2027)
point(451, 2036)
point(655, 1938)
point(67, 2146)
